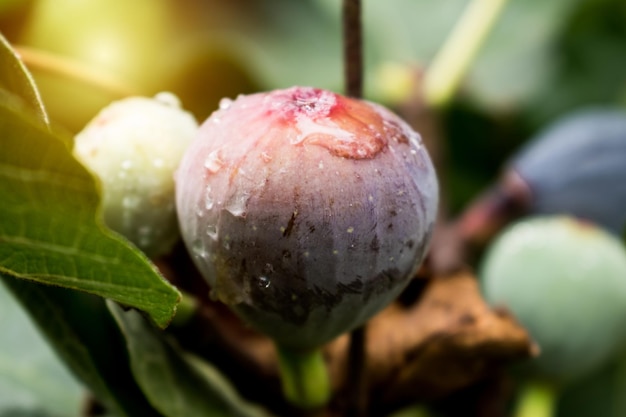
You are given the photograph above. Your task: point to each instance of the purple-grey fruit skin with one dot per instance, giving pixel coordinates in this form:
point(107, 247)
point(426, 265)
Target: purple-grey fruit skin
point(306, 211)
point(577, 166)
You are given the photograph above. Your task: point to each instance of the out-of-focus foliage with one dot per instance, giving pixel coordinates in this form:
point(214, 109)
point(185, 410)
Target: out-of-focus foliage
point(31, 376)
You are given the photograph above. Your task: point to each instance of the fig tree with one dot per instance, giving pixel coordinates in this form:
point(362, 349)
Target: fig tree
point(134, 146)
point(306, 211)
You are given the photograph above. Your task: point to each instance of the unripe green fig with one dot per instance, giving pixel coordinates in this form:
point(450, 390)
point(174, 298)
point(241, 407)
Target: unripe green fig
point(134, 146)
point(306, 211)
point(565, 280)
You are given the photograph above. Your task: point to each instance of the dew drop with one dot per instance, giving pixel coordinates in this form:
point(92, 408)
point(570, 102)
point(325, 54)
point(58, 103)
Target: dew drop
point(208, 198)
point(225, 103)
point(350, 229)
point(264, 282)
point(198, 250)
point(212, 231)
point(213, 162)
point(237, 205)
point(168, 99)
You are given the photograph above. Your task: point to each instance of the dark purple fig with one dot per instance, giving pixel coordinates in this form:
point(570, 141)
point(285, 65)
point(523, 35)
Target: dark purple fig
point(575, 167)
point(306, 211)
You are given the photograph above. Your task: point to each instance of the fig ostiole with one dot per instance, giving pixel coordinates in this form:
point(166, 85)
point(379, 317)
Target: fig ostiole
point(565, 280)
point(133, 146)
point(306, 211)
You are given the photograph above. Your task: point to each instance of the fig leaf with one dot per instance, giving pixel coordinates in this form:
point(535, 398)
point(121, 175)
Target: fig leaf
point(80, 329)
point(51, 229)
point(177, 383)
point(16, 80)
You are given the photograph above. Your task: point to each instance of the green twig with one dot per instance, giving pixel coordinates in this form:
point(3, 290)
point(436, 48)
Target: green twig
point(454, 58)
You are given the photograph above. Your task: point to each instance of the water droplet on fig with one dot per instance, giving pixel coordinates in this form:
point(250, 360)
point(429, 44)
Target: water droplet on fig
point(264, 282)
point(225, 103)
point(237, 205)
point(198, 249)
point(212, 231)
point(208, 199)
point(168, 99)
point(213, 162)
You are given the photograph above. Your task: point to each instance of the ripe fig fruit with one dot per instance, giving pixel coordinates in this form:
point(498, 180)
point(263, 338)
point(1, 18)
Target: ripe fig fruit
point(306, 211)
point(565, 280)
point(574, 167)
point(134, 146)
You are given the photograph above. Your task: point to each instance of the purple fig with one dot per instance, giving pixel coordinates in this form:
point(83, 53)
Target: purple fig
point(307, 212)
point(574, 167)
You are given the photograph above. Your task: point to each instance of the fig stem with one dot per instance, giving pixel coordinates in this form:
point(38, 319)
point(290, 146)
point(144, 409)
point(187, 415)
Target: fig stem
point(304, 377)
point(37, 59)
point(353, 48)
point(451, 63)
point(537, 399)
point(353, 67)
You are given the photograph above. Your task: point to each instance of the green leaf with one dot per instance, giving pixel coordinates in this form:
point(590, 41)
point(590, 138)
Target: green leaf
point(82, 332)
point(16, 80)
point(51, 230)
point(31, 375)
point(176, 382)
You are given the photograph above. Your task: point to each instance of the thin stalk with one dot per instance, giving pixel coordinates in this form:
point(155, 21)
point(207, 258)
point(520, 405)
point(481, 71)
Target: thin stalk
point(353, 66)
point(353, 48)
point(37, 59)
point(537, 399)
point(452, 61)
point(304, 377)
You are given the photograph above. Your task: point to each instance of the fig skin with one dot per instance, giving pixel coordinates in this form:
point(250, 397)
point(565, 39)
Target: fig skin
point(576, 167)
point(565, 280)
point(307, 212)
point(134, 146)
